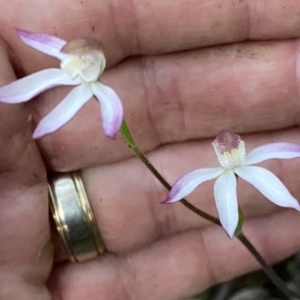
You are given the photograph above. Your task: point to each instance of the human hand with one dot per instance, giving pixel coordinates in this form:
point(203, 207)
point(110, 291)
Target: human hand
point(175, 102)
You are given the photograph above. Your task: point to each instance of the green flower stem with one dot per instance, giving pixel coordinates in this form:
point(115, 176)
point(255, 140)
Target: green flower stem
point(127, 136)
point(276, 280)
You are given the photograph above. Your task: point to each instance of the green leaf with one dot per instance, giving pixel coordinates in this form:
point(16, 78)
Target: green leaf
point(238, 230)
point(126, 134)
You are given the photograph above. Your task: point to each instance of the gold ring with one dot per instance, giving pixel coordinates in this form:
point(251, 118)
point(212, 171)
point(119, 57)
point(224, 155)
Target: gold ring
point(73, 217)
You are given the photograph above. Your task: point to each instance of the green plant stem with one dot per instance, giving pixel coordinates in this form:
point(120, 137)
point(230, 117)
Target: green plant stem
point(126, 134)
point(276, 280)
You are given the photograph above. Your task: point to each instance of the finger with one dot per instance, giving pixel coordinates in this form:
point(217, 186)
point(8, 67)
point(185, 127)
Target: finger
point(246, 87)
point(137, 27)
point(178, 266)
point(126, 198)
point(25, 251)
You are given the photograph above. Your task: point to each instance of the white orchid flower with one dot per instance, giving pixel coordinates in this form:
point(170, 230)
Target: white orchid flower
point(82, 63)
point(230, 150)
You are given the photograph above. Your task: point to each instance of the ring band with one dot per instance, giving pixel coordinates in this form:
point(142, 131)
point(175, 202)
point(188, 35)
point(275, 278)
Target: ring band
point(73, 217)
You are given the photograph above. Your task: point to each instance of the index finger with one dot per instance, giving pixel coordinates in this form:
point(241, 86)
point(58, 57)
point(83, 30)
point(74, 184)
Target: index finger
point(141, 27)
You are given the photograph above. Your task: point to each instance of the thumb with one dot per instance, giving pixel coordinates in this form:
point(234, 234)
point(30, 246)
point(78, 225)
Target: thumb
point(25, 251)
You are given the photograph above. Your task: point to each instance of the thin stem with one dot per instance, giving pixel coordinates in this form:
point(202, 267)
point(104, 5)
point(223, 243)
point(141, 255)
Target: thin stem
point(276, 280)
point(132, 145)
point(128, 138)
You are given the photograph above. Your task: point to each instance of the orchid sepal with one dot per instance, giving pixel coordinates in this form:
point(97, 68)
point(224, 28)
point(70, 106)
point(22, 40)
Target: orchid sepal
point(30, 86)
point(45, 43)
point(64, 111)
point(269, 185)
point(186, 184)
point(111, 109)
point(271, 151)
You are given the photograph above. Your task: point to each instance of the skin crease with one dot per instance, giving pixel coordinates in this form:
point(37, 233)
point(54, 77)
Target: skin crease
point(178, 93)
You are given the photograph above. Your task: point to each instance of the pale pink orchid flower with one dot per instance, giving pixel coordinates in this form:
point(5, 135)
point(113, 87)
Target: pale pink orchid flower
point(231, 153)
point(82, 63)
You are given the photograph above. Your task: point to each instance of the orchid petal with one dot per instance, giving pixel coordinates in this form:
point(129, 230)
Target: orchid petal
point(269, 185)
point(45, 43)
point(273, 150)
point(64, 111)
point(187, 183)
point(226, 201)
point(111, 109)
point(26, 88)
